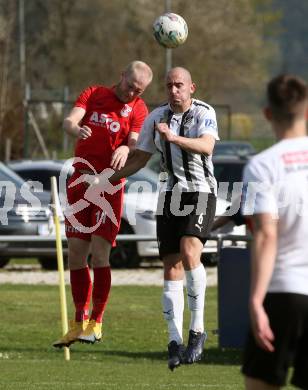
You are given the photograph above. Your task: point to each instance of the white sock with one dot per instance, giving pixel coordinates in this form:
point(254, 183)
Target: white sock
point(173, 308)
point(196, 285)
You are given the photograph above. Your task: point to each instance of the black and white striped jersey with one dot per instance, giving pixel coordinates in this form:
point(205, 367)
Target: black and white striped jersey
point(191, 172)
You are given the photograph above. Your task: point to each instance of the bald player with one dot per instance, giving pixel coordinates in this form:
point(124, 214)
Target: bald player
point(184, 131)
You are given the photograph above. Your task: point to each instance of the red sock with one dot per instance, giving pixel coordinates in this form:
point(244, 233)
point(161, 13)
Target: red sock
point(101, 288)
point(81, 285)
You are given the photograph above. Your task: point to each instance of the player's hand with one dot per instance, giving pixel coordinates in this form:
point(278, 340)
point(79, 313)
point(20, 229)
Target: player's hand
point(119, 157)
point(261, 328)
point(84, 132)
point(165, 132)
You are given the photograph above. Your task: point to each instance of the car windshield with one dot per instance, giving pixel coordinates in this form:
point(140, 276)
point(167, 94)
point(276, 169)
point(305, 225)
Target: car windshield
point(40, 171)
point(231, 149)
point(228, 172)
point(41, 175)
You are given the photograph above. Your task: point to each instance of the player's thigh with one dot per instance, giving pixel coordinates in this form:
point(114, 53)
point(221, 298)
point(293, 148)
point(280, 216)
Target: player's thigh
point(78, 250)
point(107, 222)
point(167, 230)
point(198, 222)
point(77, 213)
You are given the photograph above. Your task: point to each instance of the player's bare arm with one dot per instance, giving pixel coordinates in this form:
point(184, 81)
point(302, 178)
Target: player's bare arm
point(263, 260)
point(133, 165)
point(120, 155)
point(220, 221)
point(202, 145)
point(138, 161)
point(71, 124)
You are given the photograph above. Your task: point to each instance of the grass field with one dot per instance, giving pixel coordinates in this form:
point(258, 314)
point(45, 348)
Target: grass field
point(132, 355)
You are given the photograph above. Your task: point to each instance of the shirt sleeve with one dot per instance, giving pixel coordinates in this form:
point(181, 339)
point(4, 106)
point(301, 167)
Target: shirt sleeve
point(258, 191)
point(146, 138)
point(139, 114)
point(83, 98)
point(208, 123)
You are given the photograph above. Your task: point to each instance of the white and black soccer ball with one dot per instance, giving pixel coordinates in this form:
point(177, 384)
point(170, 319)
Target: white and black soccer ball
point(170, 30)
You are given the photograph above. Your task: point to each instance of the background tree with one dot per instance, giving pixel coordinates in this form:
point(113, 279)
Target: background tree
point(77, 43)
point(292, 39)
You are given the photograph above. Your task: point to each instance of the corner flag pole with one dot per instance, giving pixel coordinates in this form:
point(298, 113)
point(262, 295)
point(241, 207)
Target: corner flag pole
point(56, 215)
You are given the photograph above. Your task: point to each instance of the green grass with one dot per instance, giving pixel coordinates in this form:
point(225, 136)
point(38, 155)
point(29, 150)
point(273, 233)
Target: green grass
point(132, 355)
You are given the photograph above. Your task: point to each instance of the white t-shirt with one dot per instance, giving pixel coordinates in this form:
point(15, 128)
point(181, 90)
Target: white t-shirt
point(189, 171)
point(280, 177)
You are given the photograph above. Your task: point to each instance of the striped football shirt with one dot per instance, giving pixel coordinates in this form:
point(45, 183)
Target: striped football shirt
point(191, 172)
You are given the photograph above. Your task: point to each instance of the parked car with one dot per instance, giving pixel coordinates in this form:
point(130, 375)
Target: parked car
point(39, 170)
point(233, 148)
point(138, 215)
point(140, 207)
point(24, 212)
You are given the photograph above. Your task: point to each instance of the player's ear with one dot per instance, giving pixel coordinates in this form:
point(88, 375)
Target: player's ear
point(192, 88)
point(267, 113)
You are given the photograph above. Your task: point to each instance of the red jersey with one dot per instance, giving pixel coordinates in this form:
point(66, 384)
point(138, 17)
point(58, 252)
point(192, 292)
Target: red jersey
point(110, 120)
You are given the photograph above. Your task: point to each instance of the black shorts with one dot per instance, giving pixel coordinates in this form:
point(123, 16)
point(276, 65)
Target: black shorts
point(183, 214)
point(288, 315)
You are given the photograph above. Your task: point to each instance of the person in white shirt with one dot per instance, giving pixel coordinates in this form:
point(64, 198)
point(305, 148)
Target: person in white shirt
point(184, 131)
point(275, 196)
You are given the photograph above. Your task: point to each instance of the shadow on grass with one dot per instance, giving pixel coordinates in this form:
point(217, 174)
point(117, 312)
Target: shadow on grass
point(211, 355)
point(222, 356)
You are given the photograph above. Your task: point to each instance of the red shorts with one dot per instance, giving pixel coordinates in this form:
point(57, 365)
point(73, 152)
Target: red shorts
point(84, 218)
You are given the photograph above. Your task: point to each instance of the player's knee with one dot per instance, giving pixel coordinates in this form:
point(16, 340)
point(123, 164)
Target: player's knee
point(190, 258)
point(99, 261)
point(75, 262)
point(77, 257)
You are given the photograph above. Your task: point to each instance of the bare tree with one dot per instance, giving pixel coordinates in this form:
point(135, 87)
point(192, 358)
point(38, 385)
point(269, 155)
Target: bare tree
point(77, 43)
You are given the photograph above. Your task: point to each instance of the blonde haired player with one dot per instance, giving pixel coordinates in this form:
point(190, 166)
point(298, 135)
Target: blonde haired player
point(105, 122)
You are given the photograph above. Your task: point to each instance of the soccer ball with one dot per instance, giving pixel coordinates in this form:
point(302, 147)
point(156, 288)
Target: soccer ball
point(170, 30)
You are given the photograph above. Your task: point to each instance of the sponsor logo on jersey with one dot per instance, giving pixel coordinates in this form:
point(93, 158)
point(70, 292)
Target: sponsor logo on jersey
point(104, 121)
point(210, 123)
point(126, 110)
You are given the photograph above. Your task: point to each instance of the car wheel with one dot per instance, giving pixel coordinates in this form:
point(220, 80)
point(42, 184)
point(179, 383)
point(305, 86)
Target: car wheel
point(125, 255)
point(4, 261)
point(51, 264)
